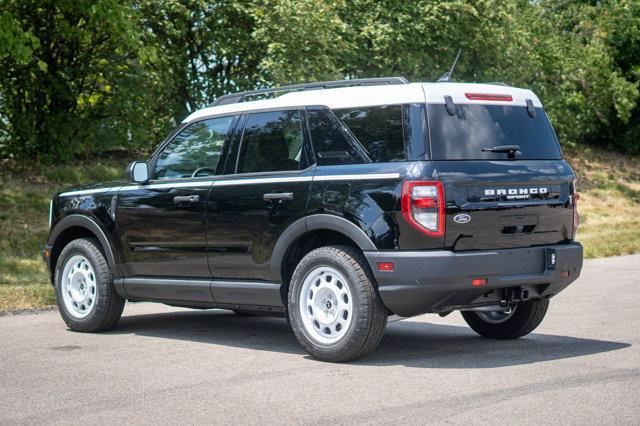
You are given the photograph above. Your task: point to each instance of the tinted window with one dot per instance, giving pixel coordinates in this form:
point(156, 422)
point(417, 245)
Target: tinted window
point(332, 142)
point(272, 141)
point(196, 148)
point(379, 129)
point(462, 136)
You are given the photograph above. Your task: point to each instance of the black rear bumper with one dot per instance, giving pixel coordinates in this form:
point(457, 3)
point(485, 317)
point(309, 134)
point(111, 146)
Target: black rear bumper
point(440, 281)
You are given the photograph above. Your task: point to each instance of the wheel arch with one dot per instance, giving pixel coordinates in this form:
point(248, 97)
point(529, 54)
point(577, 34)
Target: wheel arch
point(79, 226)
point(307, 234)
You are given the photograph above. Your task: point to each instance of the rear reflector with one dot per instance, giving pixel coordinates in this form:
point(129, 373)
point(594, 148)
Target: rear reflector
point(564, 274)
point(488, 97)
point(478, 282)
point(386, 266)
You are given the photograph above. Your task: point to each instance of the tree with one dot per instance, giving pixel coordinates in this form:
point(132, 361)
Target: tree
point(83, 76)
point(205, 49)
point(71, 78)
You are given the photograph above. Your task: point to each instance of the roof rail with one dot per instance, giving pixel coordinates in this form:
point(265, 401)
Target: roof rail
point(233, 98)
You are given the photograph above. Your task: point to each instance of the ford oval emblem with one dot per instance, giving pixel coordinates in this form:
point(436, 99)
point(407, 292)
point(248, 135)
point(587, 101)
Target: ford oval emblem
point(461, 218)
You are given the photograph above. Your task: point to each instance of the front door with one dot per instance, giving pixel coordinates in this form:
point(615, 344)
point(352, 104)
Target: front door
point(161, 224)
point(249, 209)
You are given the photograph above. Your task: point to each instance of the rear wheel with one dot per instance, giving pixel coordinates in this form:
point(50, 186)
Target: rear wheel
point(84, 289)
point(335, 310)
point(512, 323)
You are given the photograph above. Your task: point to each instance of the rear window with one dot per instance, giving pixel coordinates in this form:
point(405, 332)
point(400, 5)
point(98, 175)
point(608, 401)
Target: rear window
point(474, 127)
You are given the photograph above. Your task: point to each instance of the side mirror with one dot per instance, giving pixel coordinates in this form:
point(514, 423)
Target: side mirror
point(137, 172)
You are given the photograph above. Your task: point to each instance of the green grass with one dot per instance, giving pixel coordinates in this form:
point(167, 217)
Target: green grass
point(24, 211)
point(609, 184)
point(609, 207)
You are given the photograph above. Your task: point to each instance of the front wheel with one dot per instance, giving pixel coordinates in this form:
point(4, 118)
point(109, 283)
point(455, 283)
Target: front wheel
point(336, 313)
point(515, 322)
point(84, 289)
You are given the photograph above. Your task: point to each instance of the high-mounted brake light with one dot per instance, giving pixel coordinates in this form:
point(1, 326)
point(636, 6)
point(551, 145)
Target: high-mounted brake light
point(423, 206)
point(488, 97)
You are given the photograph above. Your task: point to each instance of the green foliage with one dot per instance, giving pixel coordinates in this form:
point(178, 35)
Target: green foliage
point(79, 77)
point(204, 49)
point(304, 40)
point(72, 79)
point(24, 208)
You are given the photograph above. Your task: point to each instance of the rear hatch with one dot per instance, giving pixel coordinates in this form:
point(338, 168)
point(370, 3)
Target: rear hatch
point(506, 184)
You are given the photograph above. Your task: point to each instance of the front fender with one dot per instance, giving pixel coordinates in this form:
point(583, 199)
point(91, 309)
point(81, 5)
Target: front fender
point(81, 221)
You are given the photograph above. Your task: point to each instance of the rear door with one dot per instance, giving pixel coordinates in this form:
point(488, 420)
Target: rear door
point(498, 196)
point(266, 189)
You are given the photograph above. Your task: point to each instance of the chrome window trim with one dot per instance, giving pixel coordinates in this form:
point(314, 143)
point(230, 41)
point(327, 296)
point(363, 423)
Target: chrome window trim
point(50, 213)
point(241, 181)
point(374, 176)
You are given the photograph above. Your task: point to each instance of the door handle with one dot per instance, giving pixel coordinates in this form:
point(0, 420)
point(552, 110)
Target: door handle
point(278, 196)
point(186, 199)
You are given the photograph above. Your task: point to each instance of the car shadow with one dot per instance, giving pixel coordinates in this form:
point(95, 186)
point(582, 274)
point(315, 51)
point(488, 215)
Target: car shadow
point(409, 343)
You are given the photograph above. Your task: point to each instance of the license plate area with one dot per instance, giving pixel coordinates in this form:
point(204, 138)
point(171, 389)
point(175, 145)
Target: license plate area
point(522, 261)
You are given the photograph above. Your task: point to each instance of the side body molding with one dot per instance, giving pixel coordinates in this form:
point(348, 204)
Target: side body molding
point(313, 223)
point(81, 221)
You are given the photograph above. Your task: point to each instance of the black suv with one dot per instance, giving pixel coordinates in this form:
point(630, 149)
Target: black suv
point(336, 205)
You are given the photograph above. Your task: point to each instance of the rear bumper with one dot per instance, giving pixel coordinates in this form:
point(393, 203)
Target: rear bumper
point(440, 281)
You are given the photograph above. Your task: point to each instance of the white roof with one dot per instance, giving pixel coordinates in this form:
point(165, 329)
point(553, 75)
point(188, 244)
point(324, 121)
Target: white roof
point(363, 96)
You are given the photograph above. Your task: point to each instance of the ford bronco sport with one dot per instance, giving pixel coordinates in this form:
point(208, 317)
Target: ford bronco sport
point(336, 205)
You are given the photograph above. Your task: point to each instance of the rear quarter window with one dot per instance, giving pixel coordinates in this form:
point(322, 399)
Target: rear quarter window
point(372, 134)
point(475, 126)
point(379, 129)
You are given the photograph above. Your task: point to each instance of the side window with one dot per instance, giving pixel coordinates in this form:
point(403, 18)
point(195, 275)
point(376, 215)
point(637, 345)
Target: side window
point(195, 151)
point(379, 129)
point(332, 142)
point(271, 141)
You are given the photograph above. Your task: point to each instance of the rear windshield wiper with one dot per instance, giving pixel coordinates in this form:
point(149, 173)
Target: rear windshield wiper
point(510, 150)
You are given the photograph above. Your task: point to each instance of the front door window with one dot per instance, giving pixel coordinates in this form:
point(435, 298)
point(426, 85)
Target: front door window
point(195, 151)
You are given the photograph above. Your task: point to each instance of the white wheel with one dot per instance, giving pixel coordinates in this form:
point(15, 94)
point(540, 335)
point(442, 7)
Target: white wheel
point(326, 304)
point(335, 311)
point(86, 298)
point(79, 286)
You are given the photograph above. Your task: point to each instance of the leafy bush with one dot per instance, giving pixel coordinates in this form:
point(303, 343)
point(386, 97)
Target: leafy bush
point(78, 77)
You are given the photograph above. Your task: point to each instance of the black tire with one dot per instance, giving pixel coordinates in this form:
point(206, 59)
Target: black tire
point(527, 316)
point(369, 313)
point(108, 305)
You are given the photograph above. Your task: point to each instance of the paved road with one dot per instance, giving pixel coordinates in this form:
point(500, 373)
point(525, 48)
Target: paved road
point(172, 365)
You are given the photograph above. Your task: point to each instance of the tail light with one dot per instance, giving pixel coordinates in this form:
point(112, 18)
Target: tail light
point(576, 218)
point(423, 206)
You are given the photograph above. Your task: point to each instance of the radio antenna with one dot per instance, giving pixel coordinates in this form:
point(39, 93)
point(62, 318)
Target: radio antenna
point(446, 77)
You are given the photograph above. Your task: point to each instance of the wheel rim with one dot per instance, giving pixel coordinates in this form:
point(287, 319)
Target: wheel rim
point(497, 317)
point(326, 305)
point(79, 287)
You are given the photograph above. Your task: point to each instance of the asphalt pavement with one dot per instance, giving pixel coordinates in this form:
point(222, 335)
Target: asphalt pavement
point(169, 365)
